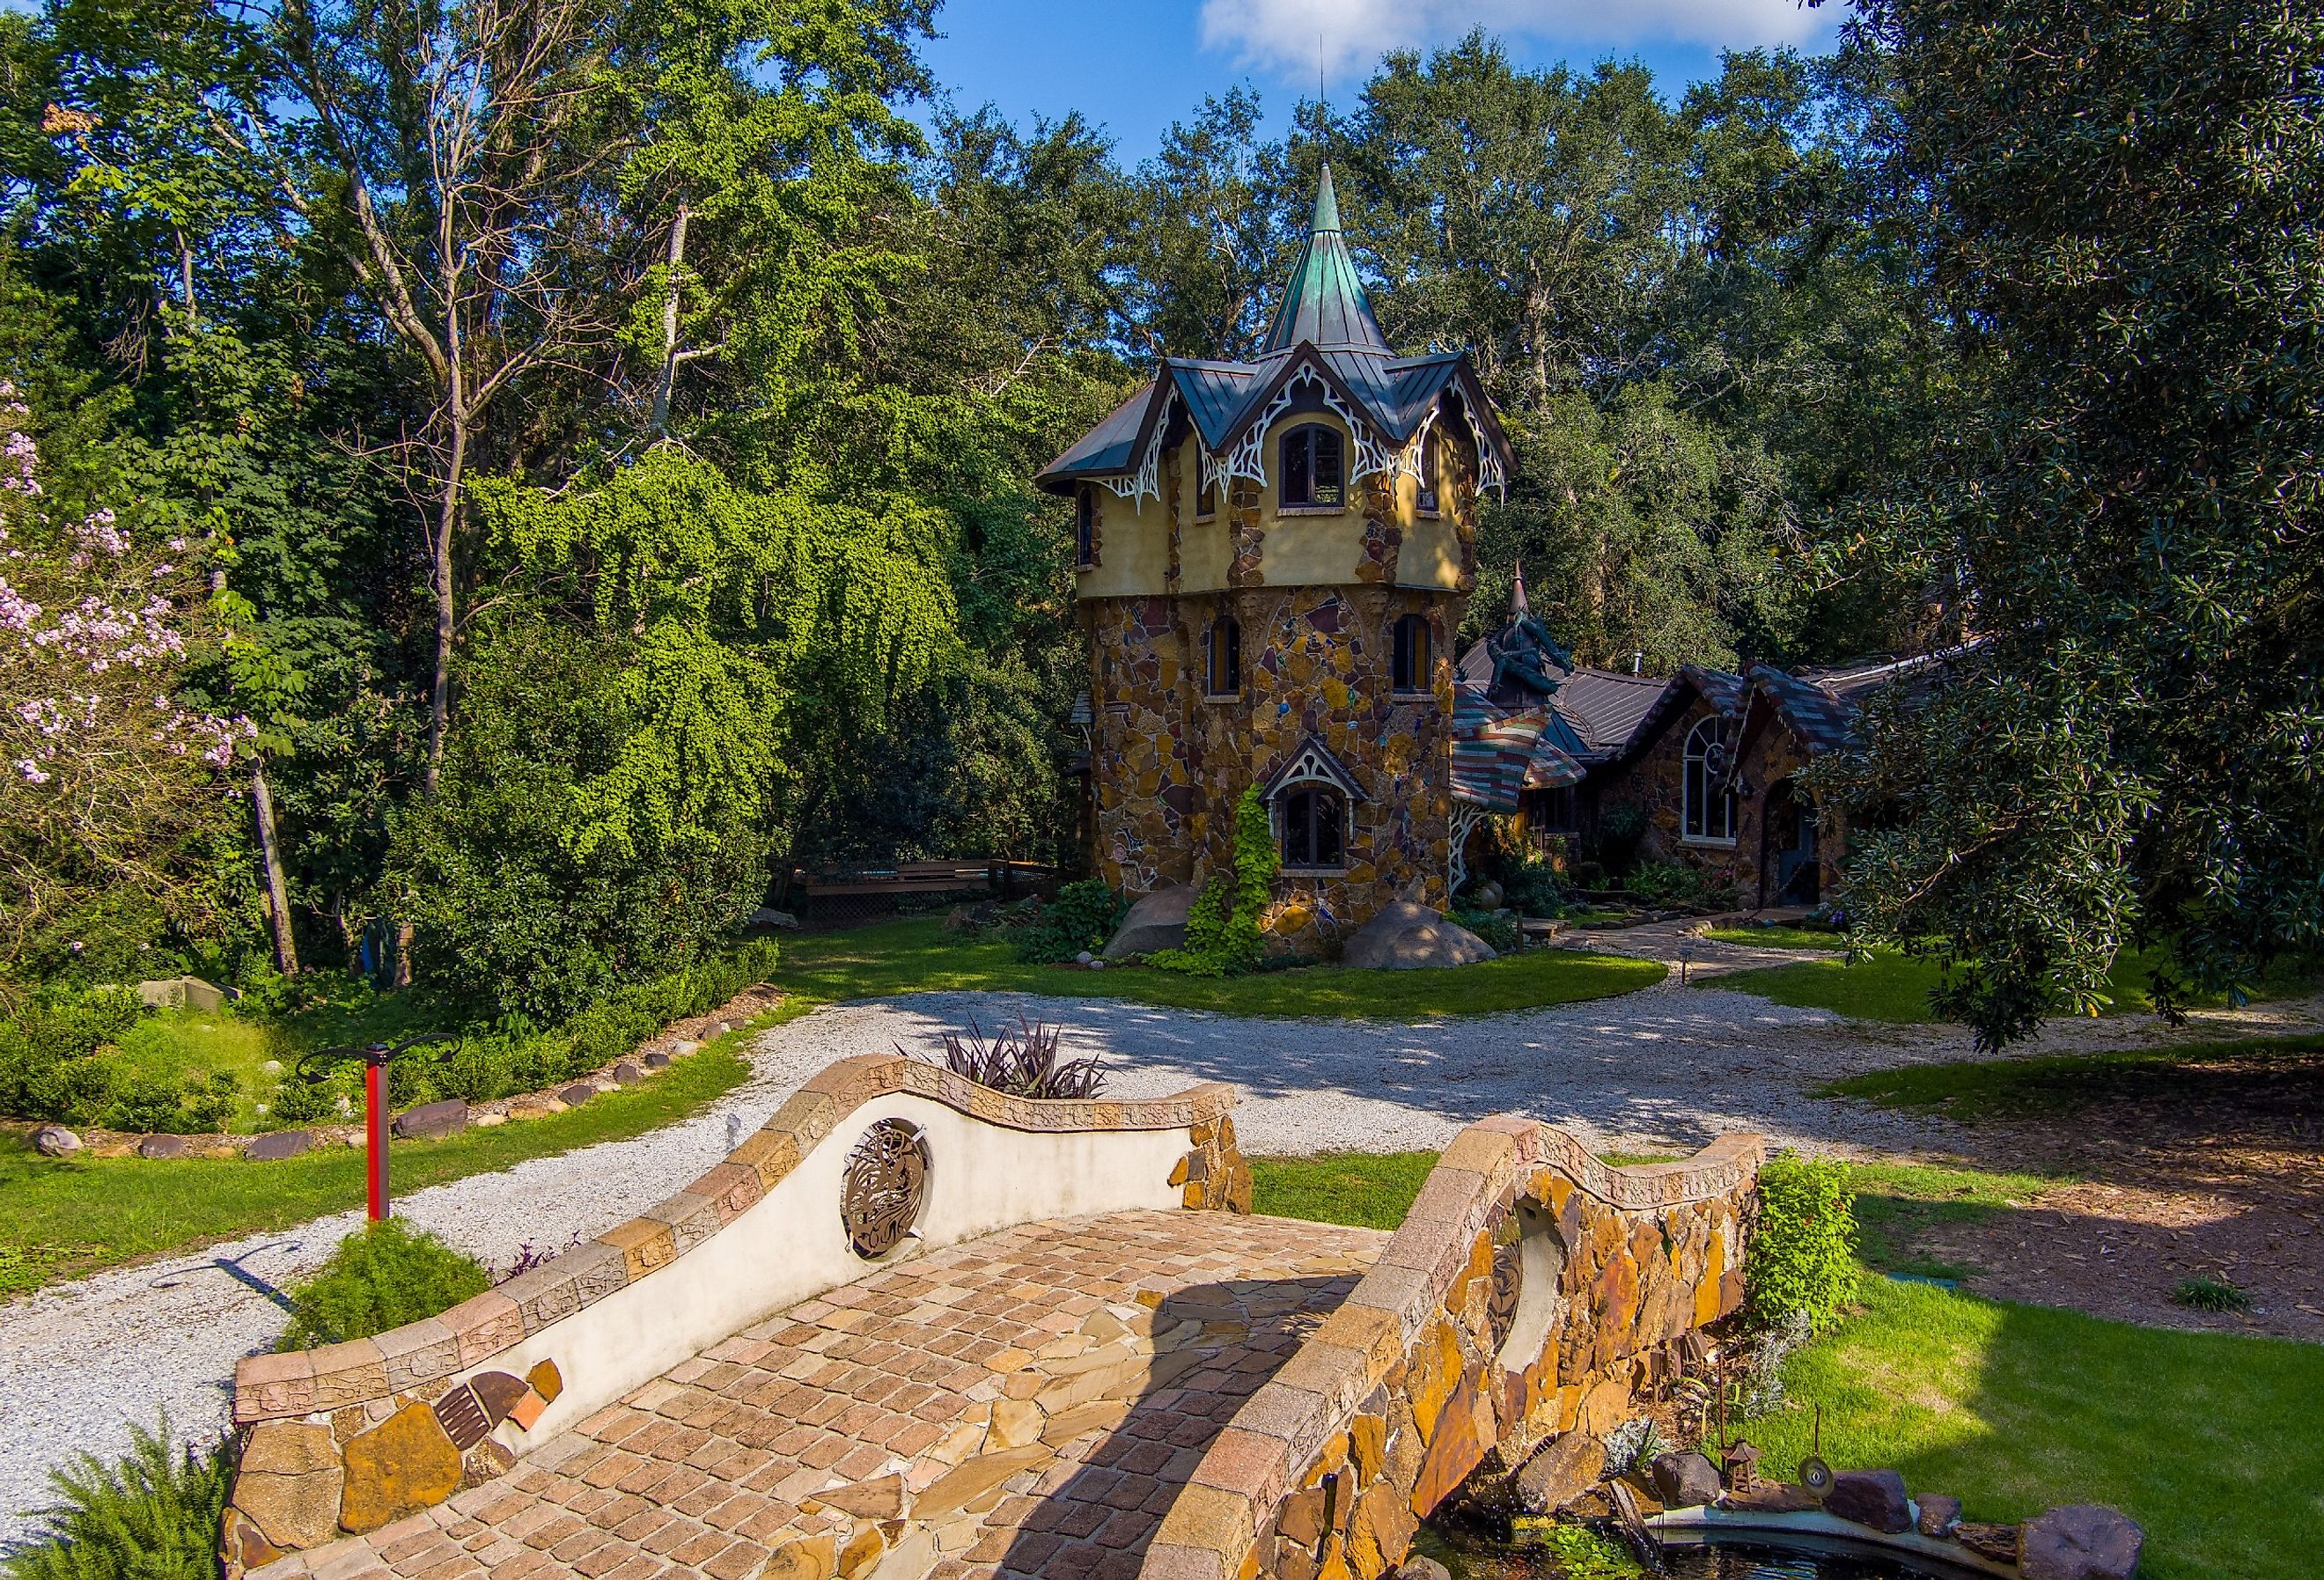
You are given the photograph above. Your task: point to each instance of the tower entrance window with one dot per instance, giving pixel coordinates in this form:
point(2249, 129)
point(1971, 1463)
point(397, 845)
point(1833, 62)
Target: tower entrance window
point(1310, 470)
point(1315, 827)
point(1225, 676)
point(1408, 668)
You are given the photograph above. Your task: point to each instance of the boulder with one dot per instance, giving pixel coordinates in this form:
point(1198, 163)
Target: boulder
point(1938, 1515)
point(278, 1144)
point(659, 1059)
point(1561, 1473)
point(1870, 1497)
point(1404, 937)
point(1487, 895)
point(627, 1074)
point(578, 1093)
point(1684, 1481)
point(1157, 921)
point(161, 1147)
point(1419, 1568)
point(54, 1140)
point(2081, 1541)
point(180, 992)
point(767, 916)
point(433, 1121)
point(1997, 1542)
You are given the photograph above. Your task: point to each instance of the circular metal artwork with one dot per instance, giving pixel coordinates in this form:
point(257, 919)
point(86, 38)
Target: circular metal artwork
point(887, 1177)
point(1509, 1287)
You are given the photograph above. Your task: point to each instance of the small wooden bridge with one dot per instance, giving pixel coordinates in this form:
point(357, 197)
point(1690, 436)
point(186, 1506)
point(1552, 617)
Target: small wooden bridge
point(916, 1328)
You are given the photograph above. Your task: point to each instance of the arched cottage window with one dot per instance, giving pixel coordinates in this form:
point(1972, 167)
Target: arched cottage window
point(1309, 469)
point(1710, 809)
point(1225, 667)
point(1315, 826)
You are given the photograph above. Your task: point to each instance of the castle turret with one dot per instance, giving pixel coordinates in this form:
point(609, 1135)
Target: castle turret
point(1272, 558)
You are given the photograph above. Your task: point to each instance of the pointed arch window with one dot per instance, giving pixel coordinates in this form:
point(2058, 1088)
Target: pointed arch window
point(1429, 500)
point(1223, 662)
point(1310, 469)
point(1710, 810)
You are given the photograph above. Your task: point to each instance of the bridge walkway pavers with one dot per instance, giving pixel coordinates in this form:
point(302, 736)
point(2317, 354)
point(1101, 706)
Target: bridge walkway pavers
point(1027, 1403)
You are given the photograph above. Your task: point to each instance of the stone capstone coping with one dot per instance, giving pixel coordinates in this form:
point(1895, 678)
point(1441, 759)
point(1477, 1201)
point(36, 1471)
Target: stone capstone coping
point(366, 1372)
point(1397, 1396)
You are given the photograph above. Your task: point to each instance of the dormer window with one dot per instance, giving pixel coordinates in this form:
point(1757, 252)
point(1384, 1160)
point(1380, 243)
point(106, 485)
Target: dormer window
point(1426, 501)
point(1408, 668)
point(1085, 525)
point(1225, 666)
point(1310, 469)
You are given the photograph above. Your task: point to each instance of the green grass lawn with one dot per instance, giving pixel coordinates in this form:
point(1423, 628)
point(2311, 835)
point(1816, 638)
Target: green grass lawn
point(1889, 986)
point(180, 1042)
point(62, 1217)
point(2213, 1441)
point(2013, 1088)
point(1780, 938)
point(918, 955)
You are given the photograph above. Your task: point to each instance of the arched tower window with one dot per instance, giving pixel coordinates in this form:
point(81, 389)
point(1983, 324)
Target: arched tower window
point(1085, 525)
point(1408, 669)
point(1225, 667)
point(1310, 469)
point(1710, 809)
point(1315, 826)
point(1432, 461)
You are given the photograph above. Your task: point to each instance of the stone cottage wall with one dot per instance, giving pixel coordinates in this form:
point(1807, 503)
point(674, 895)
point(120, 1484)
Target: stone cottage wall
point(1531, 1290)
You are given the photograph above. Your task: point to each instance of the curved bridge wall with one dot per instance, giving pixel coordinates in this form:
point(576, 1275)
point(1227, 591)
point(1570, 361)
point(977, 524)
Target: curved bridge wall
point(1531, 1290)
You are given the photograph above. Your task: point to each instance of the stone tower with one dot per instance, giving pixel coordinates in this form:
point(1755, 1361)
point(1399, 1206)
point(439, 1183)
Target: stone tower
point(1273, 559)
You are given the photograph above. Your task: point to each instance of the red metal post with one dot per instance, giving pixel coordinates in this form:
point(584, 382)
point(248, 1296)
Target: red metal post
point(375, 1122)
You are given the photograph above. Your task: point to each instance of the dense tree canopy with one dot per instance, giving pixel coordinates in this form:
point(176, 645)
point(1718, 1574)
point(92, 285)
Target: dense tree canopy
point(601, 432)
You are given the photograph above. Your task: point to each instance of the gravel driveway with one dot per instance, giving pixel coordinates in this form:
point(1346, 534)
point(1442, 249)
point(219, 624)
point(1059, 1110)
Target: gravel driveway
point(1662, 1070)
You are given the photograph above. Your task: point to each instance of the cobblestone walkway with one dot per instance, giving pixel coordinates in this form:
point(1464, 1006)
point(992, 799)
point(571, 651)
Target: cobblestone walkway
point(1027, 1403)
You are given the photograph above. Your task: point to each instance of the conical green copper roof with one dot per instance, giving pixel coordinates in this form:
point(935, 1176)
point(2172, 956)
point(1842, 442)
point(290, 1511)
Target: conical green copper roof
point(1325, 304)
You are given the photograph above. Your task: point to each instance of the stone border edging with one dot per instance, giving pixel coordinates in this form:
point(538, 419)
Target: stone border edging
point(365, 1371)
point(677, 1040)
point(1288, 1426)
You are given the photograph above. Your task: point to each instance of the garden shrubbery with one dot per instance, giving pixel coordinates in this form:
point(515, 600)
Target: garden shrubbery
point(1496, 929)
point(59, 1060)
point(1082, 916)
point(382, 1276)
point(1222, 933)
point(1802, 1255)
point(153, 1516)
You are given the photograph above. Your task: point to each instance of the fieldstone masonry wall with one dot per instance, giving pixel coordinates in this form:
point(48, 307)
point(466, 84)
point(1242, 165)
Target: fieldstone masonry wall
point(1532, 1290)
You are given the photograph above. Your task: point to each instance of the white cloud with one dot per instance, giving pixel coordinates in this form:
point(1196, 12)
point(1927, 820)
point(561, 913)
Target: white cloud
point(1289, 36)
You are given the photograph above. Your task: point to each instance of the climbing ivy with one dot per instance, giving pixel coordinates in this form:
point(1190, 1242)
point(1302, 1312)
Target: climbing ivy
point(1222, 933)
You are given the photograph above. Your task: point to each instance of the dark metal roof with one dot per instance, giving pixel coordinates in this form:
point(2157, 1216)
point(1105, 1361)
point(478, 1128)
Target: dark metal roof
point(1326, 306)
point(1110, 447)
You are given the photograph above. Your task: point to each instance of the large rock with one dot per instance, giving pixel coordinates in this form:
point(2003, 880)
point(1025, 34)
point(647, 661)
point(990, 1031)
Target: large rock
point(289, 1484)
point(54, 1140)
point(1561, 1473)
point(1684, 1481)
point(2081, 1541)
point(1157, 921)
point(1938, 1513)
point(180, 992)
point(1404, 937)
point(276, 1145)
point(433, 1121)
point(1870, 1497)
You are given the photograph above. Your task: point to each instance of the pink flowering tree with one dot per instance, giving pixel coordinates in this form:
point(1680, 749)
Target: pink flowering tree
point(109, 789)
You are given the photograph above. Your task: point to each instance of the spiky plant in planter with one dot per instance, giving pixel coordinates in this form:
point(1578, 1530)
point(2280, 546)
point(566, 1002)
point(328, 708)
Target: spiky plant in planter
point(1024, 1061)
point(152, 1516)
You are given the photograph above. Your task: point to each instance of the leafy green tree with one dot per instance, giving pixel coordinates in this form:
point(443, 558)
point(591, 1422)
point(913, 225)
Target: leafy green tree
point(2120, 505)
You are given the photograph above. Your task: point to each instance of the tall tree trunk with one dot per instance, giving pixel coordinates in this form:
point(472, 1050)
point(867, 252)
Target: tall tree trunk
point(671, 300)
point(185, 273)
point(447, 516)
point(277, 893)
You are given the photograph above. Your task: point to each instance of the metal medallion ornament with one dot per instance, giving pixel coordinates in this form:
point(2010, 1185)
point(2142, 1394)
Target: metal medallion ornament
point(887, 1177)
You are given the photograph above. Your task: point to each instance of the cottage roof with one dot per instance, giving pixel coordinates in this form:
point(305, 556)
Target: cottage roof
point(1325, 336)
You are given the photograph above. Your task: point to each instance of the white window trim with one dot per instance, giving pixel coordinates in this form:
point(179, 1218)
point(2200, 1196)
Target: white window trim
point(1733, 806)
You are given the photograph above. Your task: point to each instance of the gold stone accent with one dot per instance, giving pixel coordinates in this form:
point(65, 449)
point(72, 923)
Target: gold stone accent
point(399, 1467)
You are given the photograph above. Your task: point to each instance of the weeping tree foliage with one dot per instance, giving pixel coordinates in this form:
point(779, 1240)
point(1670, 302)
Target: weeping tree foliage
point(2122, 506)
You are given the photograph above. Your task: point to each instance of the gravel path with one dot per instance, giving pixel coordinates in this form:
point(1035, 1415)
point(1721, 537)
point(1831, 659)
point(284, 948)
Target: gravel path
point(1665, 1068)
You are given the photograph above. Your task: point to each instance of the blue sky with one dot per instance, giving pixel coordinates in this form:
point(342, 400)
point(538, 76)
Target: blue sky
point(1134, 66)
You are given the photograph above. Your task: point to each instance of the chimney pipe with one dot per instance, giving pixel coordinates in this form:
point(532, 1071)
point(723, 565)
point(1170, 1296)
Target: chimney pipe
point(1638, 662)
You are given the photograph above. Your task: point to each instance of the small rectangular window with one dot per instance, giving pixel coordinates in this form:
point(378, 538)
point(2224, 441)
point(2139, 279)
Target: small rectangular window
point(1408, 668)
point(1429, 462)
point(1085, 525)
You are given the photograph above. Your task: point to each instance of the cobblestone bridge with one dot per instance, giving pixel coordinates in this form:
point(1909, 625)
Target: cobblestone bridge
point(1149, 1382)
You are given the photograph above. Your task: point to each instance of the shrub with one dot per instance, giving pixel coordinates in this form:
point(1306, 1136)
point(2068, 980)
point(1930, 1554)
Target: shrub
point(155, 1515)
point(2202, 1294)
point(1613, 846)
point(1499, 931)
point(1222, 935)
point(58, 1061)
point(1803, 1257)
point(1023, 1062)
point(1082, 916)
point(1534, 887)
point(381, 1277)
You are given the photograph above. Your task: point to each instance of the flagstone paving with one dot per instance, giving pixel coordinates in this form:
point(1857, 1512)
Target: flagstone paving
point(1027, 1403)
